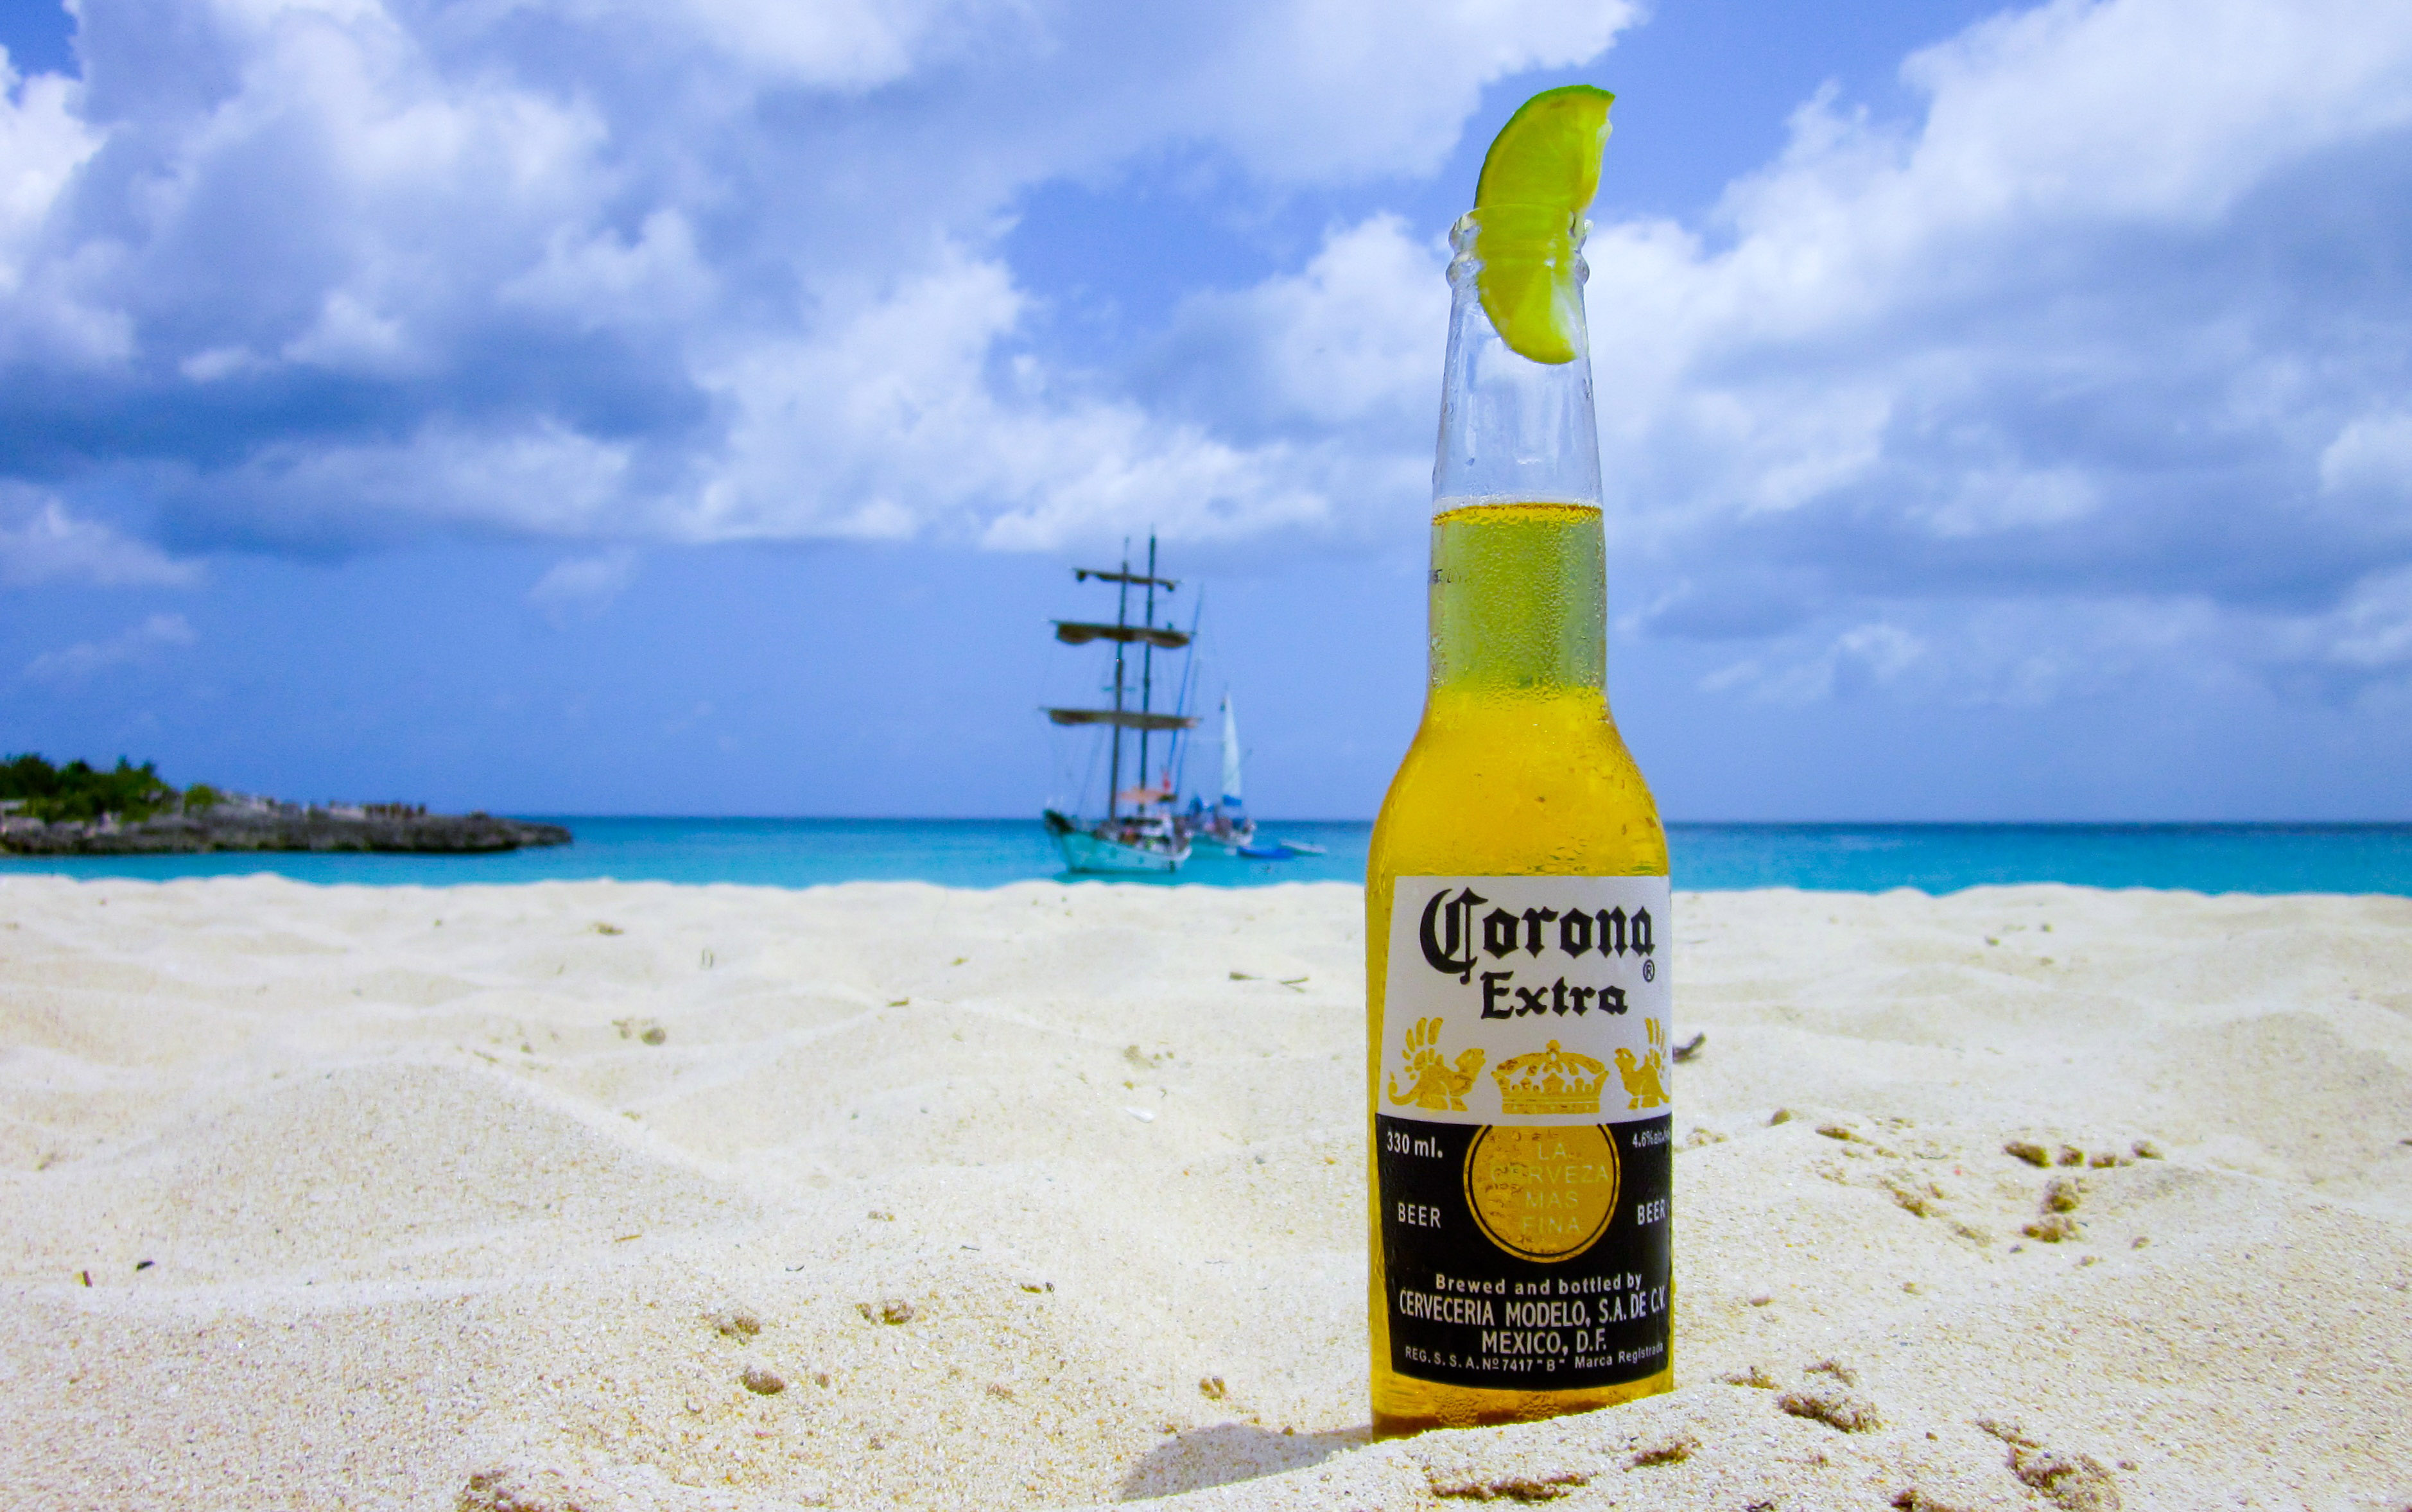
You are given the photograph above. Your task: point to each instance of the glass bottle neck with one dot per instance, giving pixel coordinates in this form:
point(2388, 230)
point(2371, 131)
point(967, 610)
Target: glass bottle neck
point(1514, 430)
point(1519, 601)
point(1518, 569)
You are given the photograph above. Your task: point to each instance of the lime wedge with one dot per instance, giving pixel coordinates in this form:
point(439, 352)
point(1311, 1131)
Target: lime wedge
point(1540, 175)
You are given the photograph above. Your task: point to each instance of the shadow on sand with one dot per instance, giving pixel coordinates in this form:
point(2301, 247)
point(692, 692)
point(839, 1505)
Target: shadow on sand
point(1225, 1452)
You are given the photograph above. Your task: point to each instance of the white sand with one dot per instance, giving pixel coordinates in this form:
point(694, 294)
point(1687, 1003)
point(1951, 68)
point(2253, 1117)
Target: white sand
point(432, 1223)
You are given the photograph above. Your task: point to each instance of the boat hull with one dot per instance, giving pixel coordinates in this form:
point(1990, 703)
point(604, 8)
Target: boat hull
point(1084, 850)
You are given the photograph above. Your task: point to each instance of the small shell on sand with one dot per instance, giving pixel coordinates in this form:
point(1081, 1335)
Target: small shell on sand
point(2078, 1483)
point(736, 1322)
point(2052, 1228)
point(1525, 1488)
point(2069, 1155)
point(1673, 1451)
point(1845, 1410)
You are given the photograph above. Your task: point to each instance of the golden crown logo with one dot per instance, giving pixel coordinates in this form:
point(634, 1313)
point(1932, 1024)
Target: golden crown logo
point(1431, 1082)
point(1645, 1080)
point(1550, 1080)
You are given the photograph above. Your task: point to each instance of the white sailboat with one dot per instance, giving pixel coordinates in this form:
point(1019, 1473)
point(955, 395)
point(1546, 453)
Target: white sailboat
point(1227, 824)
point(1138, 833)
point(1231, 802)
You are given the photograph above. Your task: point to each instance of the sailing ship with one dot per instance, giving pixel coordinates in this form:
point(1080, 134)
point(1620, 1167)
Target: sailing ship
point(1139, 831)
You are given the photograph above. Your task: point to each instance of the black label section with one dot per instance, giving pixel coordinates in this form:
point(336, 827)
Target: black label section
point(1466, 1311)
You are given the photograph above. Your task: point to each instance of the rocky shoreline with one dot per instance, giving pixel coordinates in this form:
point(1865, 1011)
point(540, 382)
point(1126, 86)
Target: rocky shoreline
point(278, 826)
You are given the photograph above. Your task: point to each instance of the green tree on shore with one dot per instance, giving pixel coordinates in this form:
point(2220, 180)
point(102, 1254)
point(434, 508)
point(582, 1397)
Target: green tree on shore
point(80, 792)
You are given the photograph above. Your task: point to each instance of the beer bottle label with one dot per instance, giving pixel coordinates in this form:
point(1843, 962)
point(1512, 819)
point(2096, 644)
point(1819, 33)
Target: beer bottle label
point(1524, 1130)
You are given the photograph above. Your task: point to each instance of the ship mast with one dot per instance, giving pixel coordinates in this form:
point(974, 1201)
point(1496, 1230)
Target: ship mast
point(1122, 642)
point(1147, 662)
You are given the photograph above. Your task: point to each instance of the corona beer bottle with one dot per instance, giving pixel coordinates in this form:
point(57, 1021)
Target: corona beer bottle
point(1517, 923)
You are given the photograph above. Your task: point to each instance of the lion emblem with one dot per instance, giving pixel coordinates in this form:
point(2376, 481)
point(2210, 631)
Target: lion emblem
point(1433, 1082)
point(1646, 1078)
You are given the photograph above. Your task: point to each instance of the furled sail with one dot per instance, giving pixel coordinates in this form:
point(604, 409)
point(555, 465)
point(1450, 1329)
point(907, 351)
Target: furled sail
point(1127, 718)
point(1138, 580)
point(1080, 633)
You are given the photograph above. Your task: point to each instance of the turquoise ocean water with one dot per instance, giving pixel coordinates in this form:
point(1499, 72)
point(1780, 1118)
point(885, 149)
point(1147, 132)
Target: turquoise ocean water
point(987, 853)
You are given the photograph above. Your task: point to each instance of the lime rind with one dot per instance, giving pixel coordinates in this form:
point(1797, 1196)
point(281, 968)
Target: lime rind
point(1541, 174)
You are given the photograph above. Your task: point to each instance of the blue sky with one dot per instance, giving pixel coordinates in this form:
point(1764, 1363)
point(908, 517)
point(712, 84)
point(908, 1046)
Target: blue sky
point(695, 405)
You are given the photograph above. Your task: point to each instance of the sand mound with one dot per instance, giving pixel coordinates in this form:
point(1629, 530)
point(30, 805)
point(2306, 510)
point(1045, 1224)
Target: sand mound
point(637, 1197)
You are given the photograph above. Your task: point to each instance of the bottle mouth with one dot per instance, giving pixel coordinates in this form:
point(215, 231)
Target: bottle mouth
point(1530, 233)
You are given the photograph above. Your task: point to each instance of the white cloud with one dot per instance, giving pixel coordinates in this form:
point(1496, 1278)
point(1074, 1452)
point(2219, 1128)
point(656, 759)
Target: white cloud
point(220, 363)
point(1353, 341)
point(845, 44)
point(1875, 653)
point(663, 235)
point(47, 543)
point(2011, 654)
point(2371, 456)
point(2112, 328)
point(348, 336)
point(544, 480)
point(2371, 631)
point(888, 426)
point(44, 141)
point(601, 278)
point(2119, 318)
point(2364, 640)
point(584, 587)
point(141, 643)
point(1331, 89)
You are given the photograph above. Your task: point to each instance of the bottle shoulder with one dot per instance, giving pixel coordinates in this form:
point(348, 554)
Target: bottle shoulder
point(1507, 787)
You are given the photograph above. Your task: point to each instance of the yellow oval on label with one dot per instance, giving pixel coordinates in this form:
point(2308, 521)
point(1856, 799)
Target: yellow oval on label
point(1546, 1195)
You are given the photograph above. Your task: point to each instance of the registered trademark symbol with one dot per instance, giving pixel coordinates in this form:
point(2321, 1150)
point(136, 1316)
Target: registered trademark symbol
point(1650, 971)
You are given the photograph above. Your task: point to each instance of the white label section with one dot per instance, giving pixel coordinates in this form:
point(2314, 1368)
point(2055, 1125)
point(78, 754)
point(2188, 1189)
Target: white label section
point(1527, 1001)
